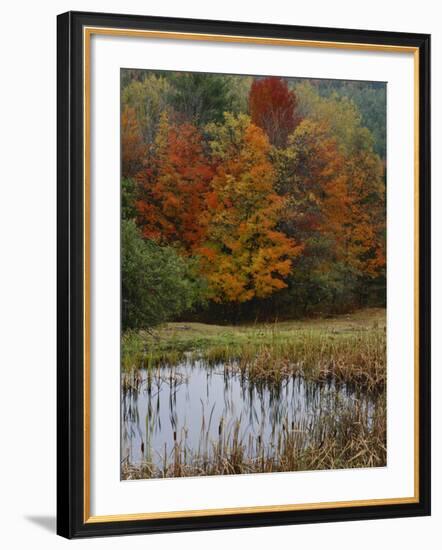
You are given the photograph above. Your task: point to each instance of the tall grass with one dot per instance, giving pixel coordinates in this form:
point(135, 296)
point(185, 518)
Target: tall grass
point(353, 439)
point(358, 357)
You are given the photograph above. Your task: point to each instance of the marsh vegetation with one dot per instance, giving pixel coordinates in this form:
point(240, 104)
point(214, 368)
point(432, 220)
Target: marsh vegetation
point(204, 400)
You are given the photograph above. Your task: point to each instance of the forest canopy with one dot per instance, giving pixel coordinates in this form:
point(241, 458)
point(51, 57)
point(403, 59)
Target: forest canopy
point(246, 198)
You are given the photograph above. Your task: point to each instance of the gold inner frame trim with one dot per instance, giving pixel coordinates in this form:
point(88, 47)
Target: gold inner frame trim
point(87, 33)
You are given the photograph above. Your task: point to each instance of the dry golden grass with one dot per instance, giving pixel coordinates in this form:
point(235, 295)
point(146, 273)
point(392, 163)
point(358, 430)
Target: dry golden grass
point(350, 348)
point(349, 443)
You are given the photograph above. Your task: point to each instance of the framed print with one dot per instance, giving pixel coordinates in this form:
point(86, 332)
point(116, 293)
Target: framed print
point(243, 274)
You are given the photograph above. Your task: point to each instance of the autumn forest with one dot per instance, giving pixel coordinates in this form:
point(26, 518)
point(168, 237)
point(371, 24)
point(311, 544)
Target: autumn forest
point(253, 245)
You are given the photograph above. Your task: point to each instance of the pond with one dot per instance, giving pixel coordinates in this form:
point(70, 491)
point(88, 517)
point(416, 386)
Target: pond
point(201, 409)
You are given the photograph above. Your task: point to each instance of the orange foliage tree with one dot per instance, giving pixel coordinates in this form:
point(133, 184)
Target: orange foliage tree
point(133, 149)
point(173, 187)
point(272, 107)
point(356, 207)
point(367, 225)
point(334, 196)
point(244, 255)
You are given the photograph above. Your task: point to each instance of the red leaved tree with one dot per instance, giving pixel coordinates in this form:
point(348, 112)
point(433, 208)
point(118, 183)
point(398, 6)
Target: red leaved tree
point(272, 107)
point(173, 187)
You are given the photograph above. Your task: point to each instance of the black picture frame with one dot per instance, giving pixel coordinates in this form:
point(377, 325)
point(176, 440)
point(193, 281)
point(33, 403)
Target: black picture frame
point(71, 521)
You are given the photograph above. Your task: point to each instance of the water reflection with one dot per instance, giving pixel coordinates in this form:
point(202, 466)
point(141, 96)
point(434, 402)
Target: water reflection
point(203, 408)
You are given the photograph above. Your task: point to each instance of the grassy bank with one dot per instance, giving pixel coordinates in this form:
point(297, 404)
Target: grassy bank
point(350, 348)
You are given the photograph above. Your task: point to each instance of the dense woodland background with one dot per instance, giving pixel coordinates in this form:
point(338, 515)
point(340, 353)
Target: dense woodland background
point(250, 198)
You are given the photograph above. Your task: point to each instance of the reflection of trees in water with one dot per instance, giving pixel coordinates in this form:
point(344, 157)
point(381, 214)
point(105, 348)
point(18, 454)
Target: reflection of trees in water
point(159, 413)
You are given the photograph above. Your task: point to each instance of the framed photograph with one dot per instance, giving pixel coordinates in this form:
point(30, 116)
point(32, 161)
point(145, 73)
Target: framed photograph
point(243, 274)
